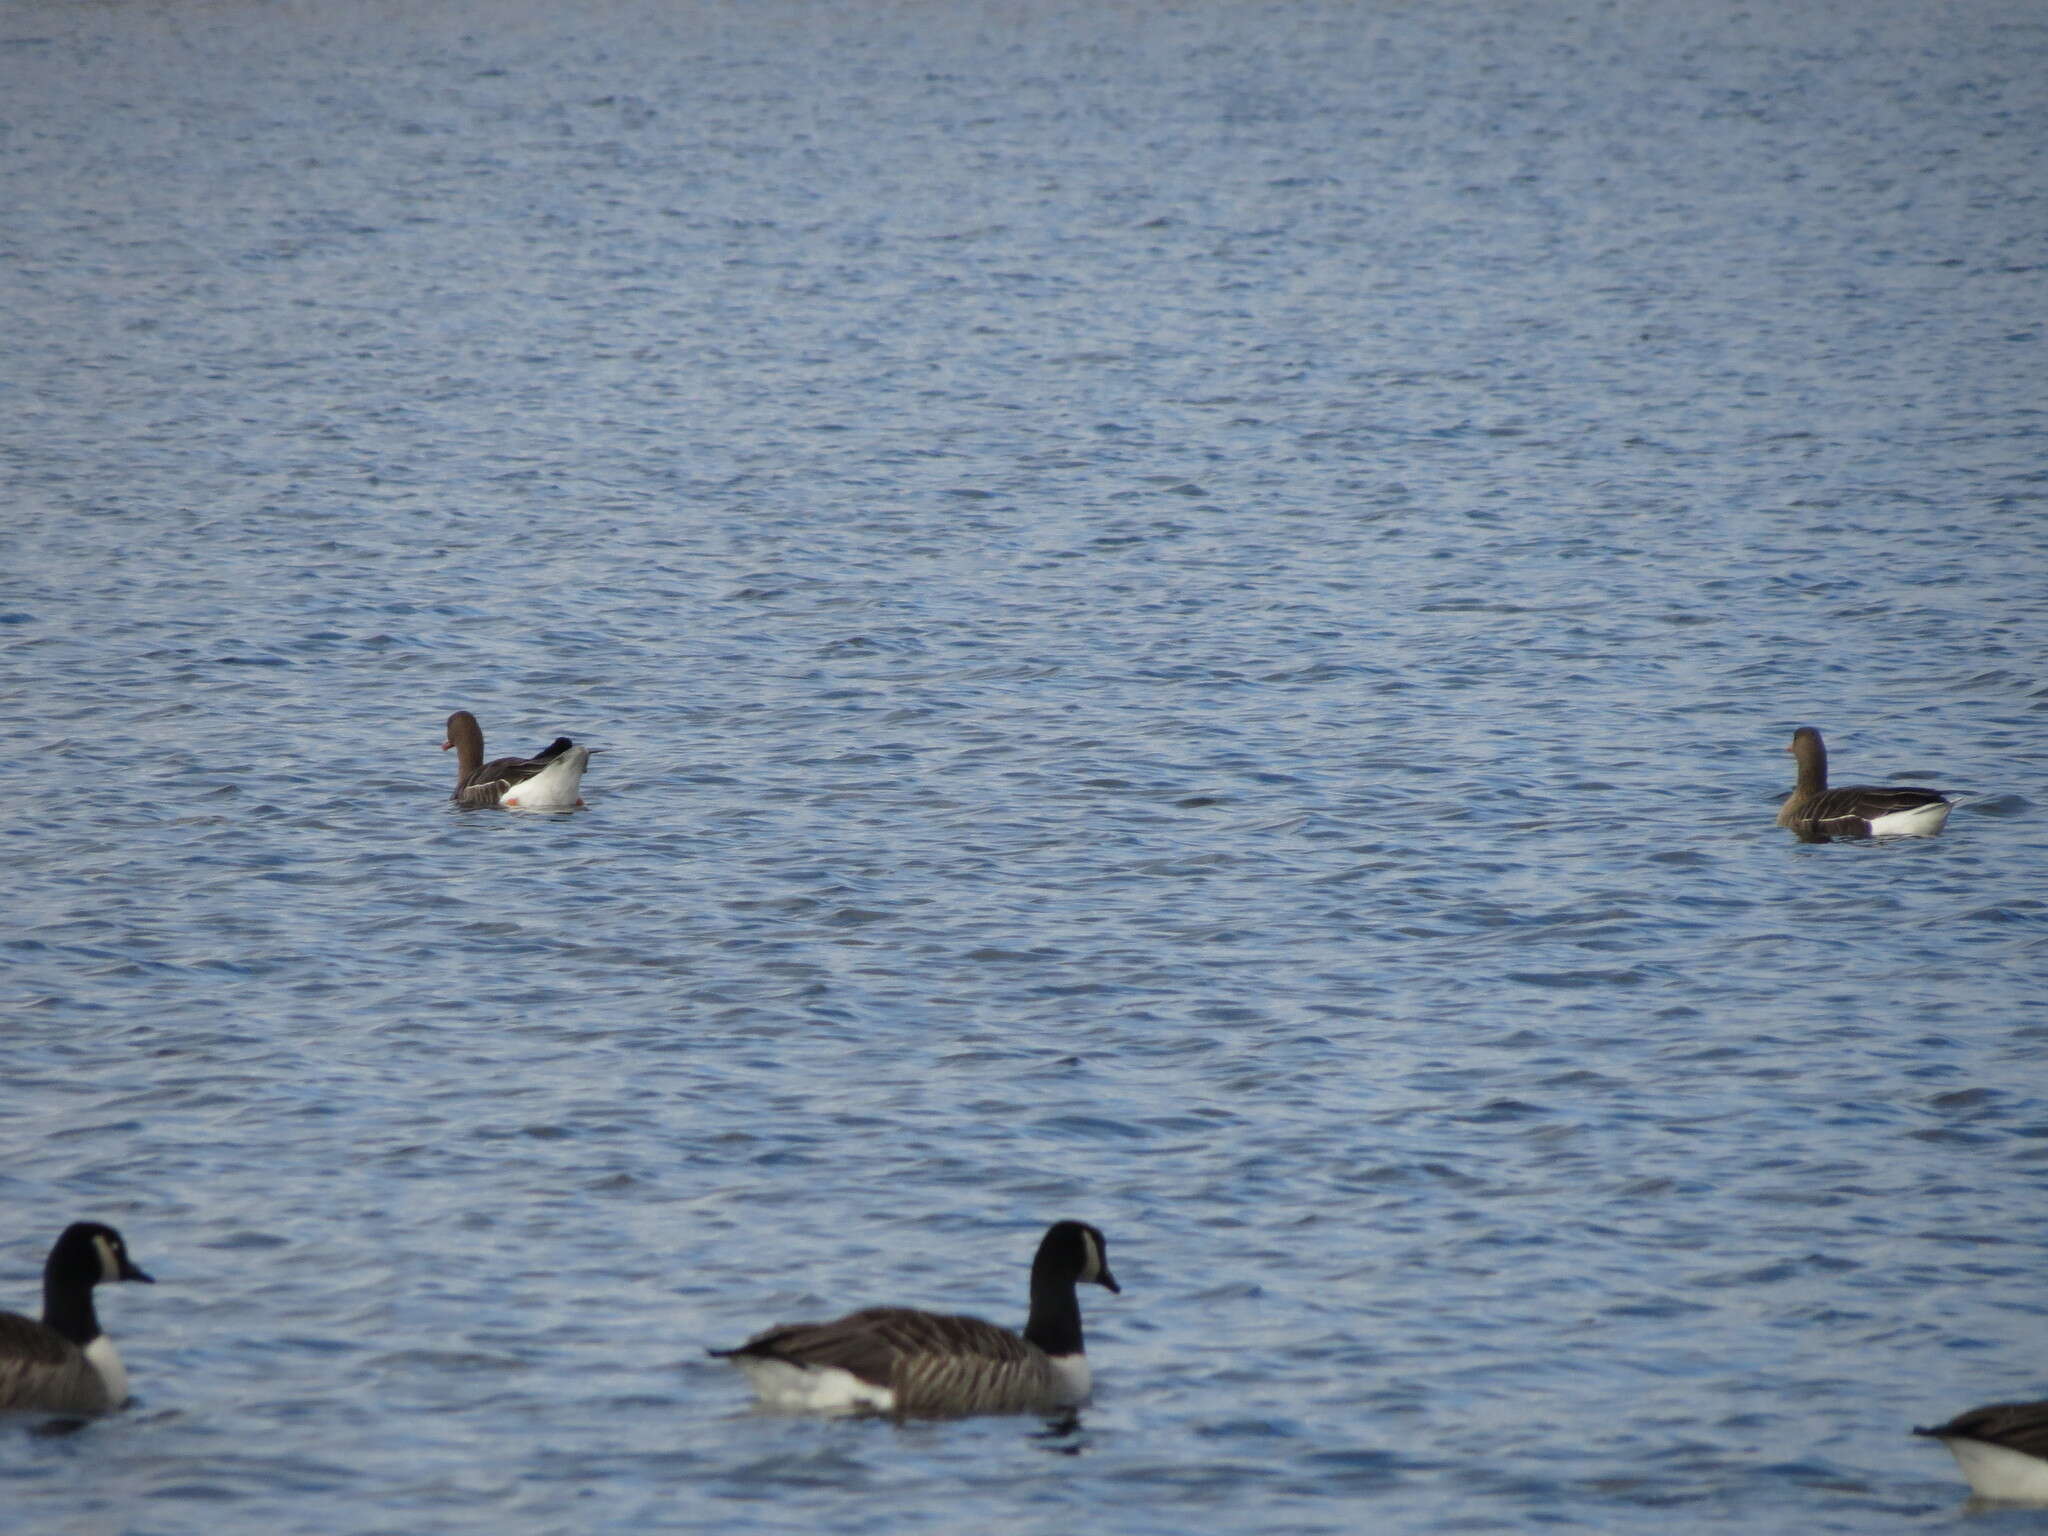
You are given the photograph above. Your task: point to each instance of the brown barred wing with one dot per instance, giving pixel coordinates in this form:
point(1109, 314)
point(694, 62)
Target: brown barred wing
point(1848, 811)
point(935, 1363)
point(42, 1371)
point(488, 784)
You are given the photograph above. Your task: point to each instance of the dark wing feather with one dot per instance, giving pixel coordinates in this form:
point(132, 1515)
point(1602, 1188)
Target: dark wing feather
point(1849, 811)
point(1865, 802)
point(2021, 1427)
point(488, 784)
point(31, 1342)
point(910, 1332)
point(873, 1344)
point(41, 1370)
point(935, 1364)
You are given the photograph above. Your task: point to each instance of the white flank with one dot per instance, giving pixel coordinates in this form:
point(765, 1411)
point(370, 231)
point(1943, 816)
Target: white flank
point(813, 1389)
point(101, 1355)
point(553, 788)
point(1921, 821)
point(1998, 1473)
point(1077, 1382)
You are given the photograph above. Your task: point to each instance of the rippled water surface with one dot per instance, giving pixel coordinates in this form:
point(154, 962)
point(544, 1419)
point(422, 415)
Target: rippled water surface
point(1191, 614)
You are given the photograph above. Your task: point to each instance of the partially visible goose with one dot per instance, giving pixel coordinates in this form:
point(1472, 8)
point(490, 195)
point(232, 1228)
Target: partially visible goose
point(924, 1364)
point(64, 1364)
point(2002, 1449)
point(1818, 813)
point(546, 782)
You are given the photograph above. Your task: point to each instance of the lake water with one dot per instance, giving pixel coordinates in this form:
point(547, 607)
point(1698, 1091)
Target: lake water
point(1192, 613)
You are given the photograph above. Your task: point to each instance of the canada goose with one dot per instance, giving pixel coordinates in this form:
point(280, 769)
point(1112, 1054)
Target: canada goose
point(924, 1364)
point(1818, 813)
point(64, 1364)
point(2002, 1449)
point(547, 782)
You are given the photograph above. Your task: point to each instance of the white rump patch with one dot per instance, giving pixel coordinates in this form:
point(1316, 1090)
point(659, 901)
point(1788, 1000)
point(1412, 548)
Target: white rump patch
point(101, 1355)
point(1920, 821)
point(1998, 1473)
point(813, 1389)
point(554, 788)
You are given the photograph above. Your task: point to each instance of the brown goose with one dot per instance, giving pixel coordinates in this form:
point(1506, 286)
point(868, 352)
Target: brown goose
point(927, 1365)
point(2002, 1449)
point(64, 1364)
point(1818, 813)
point(546, 782)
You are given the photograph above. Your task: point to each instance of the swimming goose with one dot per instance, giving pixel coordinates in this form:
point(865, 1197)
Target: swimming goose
point(64, 1364)
point(1818, 813)
point(2002, 1449)
point(547, 782)
point(924, 1364)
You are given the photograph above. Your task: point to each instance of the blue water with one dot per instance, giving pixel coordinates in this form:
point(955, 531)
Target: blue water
point(1192, 614)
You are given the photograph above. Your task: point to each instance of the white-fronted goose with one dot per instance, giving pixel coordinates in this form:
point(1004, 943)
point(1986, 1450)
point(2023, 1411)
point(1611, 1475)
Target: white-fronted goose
point(2002, 1449)
point(64, 1364)
point(547, 782)
point(927, 1365)
point(1818, 813)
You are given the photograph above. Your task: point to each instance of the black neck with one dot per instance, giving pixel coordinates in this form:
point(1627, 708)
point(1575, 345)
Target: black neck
point(1055, 1324)
point(67, 1308)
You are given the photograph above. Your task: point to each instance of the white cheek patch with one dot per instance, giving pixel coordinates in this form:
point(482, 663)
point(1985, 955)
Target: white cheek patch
point(1093, 1271)
point(110, 1261)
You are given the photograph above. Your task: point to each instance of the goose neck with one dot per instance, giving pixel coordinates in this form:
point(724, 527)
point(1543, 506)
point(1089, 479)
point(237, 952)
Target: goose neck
point(1055, 1323)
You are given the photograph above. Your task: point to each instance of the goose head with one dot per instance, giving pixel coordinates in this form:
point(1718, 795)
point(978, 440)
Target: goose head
point(1073, 1252)
point(1811, 755)
point(87, 1253)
